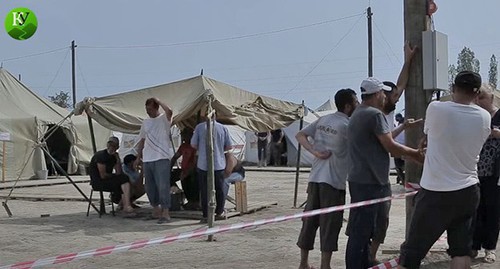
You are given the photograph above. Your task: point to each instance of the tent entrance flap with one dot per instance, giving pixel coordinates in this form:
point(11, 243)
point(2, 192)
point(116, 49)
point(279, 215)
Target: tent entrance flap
point(59, 147)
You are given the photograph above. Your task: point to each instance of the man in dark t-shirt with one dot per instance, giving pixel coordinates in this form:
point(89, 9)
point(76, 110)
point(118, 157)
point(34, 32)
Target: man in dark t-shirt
point(102, 177)
point(277, 137)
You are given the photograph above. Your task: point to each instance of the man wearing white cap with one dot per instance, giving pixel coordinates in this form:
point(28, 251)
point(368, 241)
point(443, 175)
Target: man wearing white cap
point(370, 142)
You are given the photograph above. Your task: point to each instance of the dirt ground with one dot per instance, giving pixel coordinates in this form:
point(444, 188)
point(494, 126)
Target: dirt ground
point(28, 236)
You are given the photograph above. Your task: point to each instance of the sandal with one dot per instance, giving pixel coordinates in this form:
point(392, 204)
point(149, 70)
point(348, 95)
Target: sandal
point(490, 256)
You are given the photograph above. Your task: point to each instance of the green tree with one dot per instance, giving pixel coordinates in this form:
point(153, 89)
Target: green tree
point(452, 72)
point(61, 99)
point(493, 72)
point(467, 61)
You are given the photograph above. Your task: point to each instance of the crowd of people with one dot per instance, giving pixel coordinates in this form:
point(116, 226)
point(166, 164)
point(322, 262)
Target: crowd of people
point(459, 151)
point(152, 171)
point(460, 154)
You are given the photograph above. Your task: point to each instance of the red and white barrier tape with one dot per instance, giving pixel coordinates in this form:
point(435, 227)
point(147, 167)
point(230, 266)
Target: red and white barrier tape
point(387, 265)
point(192, 234)
point(412, 186)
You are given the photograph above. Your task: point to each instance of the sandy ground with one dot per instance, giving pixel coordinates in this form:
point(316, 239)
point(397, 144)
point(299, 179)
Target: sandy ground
point(28, 236)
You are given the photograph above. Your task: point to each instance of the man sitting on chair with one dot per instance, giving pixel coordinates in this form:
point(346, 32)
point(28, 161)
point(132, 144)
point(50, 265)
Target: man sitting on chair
point(136, 179)
point(102, 177)
point(234, 171)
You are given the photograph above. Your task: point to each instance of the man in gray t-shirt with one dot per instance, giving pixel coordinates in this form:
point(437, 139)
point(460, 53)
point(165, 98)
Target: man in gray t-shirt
point(328, 176)
point(369, 144)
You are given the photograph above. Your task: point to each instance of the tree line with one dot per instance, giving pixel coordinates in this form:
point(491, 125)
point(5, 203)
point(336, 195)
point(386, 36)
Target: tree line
point(466, 60)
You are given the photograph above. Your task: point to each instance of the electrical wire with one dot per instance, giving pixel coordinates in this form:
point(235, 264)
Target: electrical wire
point(57, 73)
point(387, 43)
point(324, 57)
point(219, 39)
point(33, 55)
point(80, 70)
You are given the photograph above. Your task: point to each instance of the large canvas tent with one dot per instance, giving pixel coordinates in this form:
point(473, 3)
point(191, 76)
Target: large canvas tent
point(25, 119)
point(124, 112)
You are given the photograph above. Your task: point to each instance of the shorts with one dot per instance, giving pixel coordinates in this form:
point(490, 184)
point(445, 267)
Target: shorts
point(322, 195)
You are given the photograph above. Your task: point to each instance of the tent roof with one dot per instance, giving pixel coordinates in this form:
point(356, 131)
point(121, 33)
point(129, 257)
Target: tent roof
point(124, 112)
point(19, 102)
point(328, 105)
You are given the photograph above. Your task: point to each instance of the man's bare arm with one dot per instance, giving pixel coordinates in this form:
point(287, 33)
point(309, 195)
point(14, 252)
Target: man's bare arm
point(405, 70)
point(304, 142)
point(397, 149)
point(166, 108)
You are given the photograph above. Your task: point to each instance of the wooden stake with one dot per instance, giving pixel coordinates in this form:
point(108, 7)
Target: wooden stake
point(3, 160)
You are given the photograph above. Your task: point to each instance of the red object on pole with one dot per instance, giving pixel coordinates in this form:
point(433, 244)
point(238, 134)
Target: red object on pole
point(431, 7)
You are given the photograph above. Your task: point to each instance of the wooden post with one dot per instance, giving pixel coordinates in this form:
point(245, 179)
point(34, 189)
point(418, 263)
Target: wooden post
point(210, 172)
point(369, 14)
point(415, 22)
point(240, 189)
point(297, 170)
point(4, 159)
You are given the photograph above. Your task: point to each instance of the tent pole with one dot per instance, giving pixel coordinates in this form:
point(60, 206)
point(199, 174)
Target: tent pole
point(3, 160)
point(297, 170)
point(92, 135)
point(210, 175)
point(102, 206)
point(69, 178)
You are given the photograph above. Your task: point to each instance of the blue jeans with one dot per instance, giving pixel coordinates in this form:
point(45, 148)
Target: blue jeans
point(362, 221)
point(157, 178)
point(234, 177)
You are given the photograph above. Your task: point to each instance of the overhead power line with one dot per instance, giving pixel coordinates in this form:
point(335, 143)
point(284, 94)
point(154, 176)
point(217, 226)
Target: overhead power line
point(33, 55)
point(324, 57)
point(219, 39)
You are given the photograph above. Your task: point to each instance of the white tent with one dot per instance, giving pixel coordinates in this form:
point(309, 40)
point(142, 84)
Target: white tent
point(25, 118)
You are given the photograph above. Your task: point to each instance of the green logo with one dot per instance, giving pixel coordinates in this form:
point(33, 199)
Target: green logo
point(21, 23)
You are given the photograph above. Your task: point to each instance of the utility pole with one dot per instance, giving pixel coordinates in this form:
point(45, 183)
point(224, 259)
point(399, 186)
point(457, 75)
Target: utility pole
point(370, 47)
point(416, 99)
point(73, 77)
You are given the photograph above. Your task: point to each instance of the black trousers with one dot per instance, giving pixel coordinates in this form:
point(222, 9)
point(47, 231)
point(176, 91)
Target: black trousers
point(486, 224)
point(219, 191)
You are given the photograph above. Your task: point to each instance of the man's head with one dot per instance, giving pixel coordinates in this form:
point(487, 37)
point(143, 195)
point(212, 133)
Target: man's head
point(399, 118)
point(113, 145)
point(467, 84)
point(186, 134)
point(129, 160)
point(485, 97)
point(391, 97)
point(346, 101)
point(152, 107)
point(372, 92)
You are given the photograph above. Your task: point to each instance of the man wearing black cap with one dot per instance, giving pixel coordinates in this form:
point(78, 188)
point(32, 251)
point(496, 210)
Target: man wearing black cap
point(102, 177)
point(455, 133)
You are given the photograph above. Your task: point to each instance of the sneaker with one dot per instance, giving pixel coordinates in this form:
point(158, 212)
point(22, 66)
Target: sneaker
point(489, 256)
point(203, 220)
point(221, 216)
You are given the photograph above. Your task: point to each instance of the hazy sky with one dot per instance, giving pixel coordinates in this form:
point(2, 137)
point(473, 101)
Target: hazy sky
point(288, 49)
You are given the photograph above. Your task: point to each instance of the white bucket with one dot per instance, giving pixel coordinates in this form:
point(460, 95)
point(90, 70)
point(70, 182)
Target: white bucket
point(42, 174)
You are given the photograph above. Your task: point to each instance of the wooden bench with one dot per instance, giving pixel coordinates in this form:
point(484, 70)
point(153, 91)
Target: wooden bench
point(240, 200)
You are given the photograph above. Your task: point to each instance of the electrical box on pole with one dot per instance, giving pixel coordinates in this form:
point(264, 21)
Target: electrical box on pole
point(435, 60)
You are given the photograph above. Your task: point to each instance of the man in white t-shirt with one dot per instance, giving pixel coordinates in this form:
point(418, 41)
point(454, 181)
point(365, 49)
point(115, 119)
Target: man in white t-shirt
point(327, 180)
point(155, 150)
point(455, 133)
